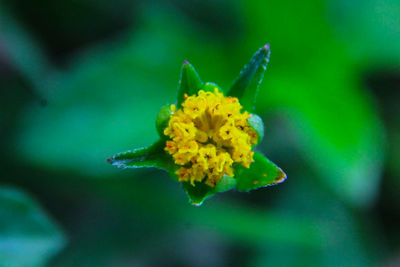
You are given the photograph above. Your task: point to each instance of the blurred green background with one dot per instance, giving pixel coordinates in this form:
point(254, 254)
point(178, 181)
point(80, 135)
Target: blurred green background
point(83, 80)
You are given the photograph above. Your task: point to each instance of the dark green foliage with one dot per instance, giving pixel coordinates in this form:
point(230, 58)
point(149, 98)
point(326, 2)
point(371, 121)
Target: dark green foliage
point(27, 236)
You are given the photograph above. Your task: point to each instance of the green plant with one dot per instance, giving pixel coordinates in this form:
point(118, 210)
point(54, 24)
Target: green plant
point(206, 141)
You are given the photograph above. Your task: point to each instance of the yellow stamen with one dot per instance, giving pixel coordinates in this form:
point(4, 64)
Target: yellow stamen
point(208, 134)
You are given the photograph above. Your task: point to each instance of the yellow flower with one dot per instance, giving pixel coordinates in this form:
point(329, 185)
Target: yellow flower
point(206, 140)
point(208, 135)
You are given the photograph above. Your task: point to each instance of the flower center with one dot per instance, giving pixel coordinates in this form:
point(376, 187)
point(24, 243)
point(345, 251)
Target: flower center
point(208, 134)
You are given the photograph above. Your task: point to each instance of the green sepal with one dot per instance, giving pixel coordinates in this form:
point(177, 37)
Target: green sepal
point(257, 124)
point(210, 87)
point(189, 83)
point(262, 173)
point(153, 156)
point(163, 119)
point(245, 87)
point(200, 191)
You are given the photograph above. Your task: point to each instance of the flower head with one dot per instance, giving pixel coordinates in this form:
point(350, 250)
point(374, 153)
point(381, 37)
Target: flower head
point(207, 140)
point(209, 133)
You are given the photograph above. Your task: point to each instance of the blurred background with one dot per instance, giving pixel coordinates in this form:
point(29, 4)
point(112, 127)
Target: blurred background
point(83, 80)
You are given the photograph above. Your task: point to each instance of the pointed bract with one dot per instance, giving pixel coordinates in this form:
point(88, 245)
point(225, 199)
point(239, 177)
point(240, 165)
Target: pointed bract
point(189, 83)
point(200, 192)
point(146, 157)
point(246, 85)
point(162, 120)
point(257, 124)
point(262, 173)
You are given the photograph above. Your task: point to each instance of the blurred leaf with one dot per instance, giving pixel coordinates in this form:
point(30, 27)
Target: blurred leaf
point(200, 192)
point(315, 84)
point(261, 173)
point(23, 51)
point(27, 236)
point(342, 130)
point(246, 85)
point(98, 114)
point(342, 242)
point(111, 232)
point(247, 224)
point(107, 98)
point(189, 82)
point(370, 30)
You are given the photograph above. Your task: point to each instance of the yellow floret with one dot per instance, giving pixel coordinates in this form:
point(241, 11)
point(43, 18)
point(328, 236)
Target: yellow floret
point(208, 134)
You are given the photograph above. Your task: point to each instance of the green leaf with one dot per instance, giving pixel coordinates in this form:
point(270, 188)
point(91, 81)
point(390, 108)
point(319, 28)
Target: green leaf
point(146, 157)
point(257, 124)
point(27, 236)
point(200, 191)
point(245, 87)
point(163, 119)
point(189, 83)
point(261, 173)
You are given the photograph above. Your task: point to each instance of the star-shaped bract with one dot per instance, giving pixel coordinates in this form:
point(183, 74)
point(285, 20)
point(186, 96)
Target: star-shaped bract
point(207, 159)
